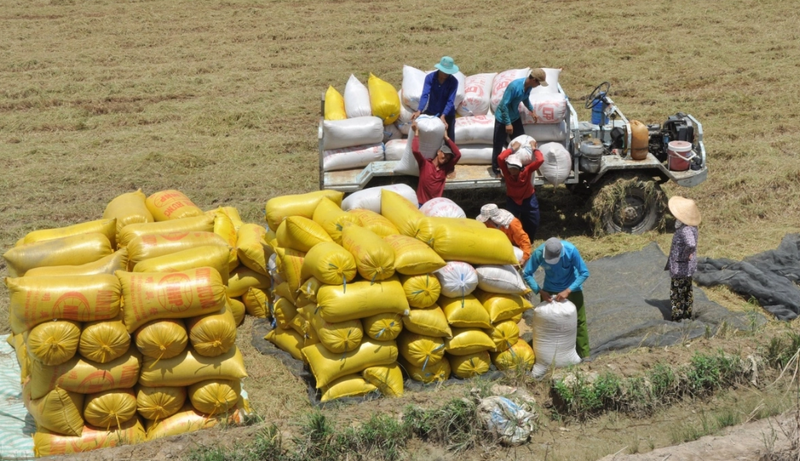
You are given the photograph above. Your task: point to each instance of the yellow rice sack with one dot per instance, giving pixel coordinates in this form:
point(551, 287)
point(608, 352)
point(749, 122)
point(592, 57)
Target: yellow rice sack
point(196, 224)
point(361, 299)
point(203, 256)
point(280, 208)
point(284, 291)
point(429, 321)
point(84, 298)
point(214, 334)
point(233, 215)
point(252, 247)
point(243, 278)
point(107, 227)
point(287, 340)
point(307, 293)
point(421, 290)
point(426, 227)
point(171, 204)
point(502, 306)
point(466, 312)
point(128, 208)
point(299, 323)
point(334, 105)
point(187, 420)
point(402, 213)
point(154, 245)
point(73, 250)
point(189, 368)
point(436, 372)
point(215, 396)
point(155, 295)
point(301, 234)
point(53, 343)
point(388, 379)
point(110, 409)
point(383, 99)
point(291, 263)
point(328, 366)
point(518, 357)
point(338, 337)
point(329, 263)
point(466, 341)
point(158, 403)
point(116, 261)
point(80, 375)
point(374, 257)
point(104, 340)
point(412, 257)
point(473, 245)
point(47, 443)
point(161, 338)
point(420, 350)
point(333, 219)
point(469, 366)
point(237, 309)
point(256, 302)
point(383, 327)
point(58, 411)
point(504, 334)
point(346, 386)
point(21, 351)
point(368, 219)
point(224, 227)
point(284, 311)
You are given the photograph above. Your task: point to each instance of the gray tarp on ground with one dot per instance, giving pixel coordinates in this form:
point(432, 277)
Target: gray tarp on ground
point(770, 277)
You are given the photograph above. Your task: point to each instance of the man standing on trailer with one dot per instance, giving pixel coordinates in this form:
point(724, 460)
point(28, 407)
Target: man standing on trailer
point(439, 95)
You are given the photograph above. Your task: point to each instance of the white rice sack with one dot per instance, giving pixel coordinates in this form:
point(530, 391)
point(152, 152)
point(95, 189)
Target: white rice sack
point(431, 137)
point(474, 130)
point(548, 107)
point(413, 82)
point(358, 131)
point(457, 279)
point(557, 163)
point(370, 199)
point(518, 253)
point(351, 157)
point(356, 98)
point(555, 132)
point(462, 83)
point(500, 279)
point(442, 207)
point(394, 149)
point(524, 152)
point(502, 80)
point(477, 95)
point(404, 120)
point(552, 82)
point(390, 132)
point(475, 154)
point(555, 329)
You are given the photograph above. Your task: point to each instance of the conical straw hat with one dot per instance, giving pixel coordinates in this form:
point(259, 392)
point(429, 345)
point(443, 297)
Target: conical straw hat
point(684, 210)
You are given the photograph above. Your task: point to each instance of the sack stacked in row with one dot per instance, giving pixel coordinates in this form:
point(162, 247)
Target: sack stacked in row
point(127, 345)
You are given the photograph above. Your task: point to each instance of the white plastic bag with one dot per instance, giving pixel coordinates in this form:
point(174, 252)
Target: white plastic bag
point(442, 207)
point(431, 138)
point(557, 163)
point(457, 279)
point(351, 157)
point(555, 329)
point(474, 130)
point(511, 423)
point(358, 131)
point(356, 99)
point(370, 199)
point(413, 82)
point(500, 279)
point(477, 95)
point(394, 149)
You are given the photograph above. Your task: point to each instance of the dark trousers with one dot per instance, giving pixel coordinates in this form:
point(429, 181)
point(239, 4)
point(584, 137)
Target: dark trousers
point(501, 139)
point(451, 124)
point(528, 213)
point(681, 298)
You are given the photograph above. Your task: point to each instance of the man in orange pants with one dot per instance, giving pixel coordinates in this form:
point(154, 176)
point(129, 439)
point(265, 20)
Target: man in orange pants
point(498, 218)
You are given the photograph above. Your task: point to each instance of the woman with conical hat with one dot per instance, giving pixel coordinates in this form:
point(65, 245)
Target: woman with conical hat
point(682, 261)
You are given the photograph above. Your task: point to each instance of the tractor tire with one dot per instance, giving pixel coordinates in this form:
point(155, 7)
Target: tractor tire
point(633, 204)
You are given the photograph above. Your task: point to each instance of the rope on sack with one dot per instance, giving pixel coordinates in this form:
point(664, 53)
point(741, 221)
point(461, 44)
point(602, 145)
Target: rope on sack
point(163, 351)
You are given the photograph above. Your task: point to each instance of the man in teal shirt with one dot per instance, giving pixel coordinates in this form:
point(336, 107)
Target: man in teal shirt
point(507, 120)
point(564, 274)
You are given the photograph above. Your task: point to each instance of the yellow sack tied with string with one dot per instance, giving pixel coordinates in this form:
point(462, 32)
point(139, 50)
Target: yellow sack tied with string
point(85, 298)
point(421, 290)
point(21, 351)
point(429, 321)
point(233, 214)
point(466, 312)
point(504, 334)
point(116, 261)
point(329, 263)
point(291, 263)
point(383, 99)
point(224, 227)
point(300, 234)
point(128, 208)
point(171, 204)
point(107, 227)
point(252, 248)
point(47, 443)
point(176, 295)
point(256, 302)
point(388, 379)
point(214, 334)
point(426, 227)
point(74, 250)
point(334, 105)
point(237, 310)
point(161, 338)
point(466, 341)
point(287, 340)
point(519, 357)
point(243, 278)
point(280, 208)
point(307, 293)
point(383, 327)
point(110, 409)
point(374, 257)
point(420, 350)
point(413, 257)
point(196, 224)
point(361, 299)
point(437, 372)
point(58, 411)
point(502, 306)
point(104, 340)
point(346, 386)
point(80, 375)
point(215, 256)
point(53, 343)
point(154, 245)
point(368, 219)
point(469, 366)
point(158, 403)
point(473, 245)
point(402, 213)
point(338, 337)
point(333, 219)
point(189, 368)
point(328, 366)
point(215, 396)
point(187, 420)
point(299, 323)
point(284, 311)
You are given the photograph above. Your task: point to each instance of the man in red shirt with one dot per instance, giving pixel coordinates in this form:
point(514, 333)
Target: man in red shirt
point(433, 172)
point(521, 200)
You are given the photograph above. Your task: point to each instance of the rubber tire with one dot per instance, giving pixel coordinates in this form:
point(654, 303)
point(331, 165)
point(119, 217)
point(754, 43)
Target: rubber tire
point(647, 212)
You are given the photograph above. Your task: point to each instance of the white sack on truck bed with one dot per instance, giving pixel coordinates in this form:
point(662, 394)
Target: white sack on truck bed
point(352, 132)
point(474, 130)
point(551, 132)
point(477, 95)
point(370, 199)
point(351, 157)
point(413, 81)
point(502, 80)
point(476, 154)
point(394, 149)
point(557, 163)
point(356, 99)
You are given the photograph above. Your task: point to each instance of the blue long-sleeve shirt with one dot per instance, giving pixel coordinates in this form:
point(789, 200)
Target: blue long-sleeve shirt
point(508, 109)
point(569, 272)
point(438, 98)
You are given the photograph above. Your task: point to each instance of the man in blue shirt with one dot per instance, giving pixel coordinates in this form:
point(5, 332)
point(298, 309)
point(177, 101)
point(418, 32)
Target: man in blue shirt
point(439, 95)
point(564, 274)
point(507, 120)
